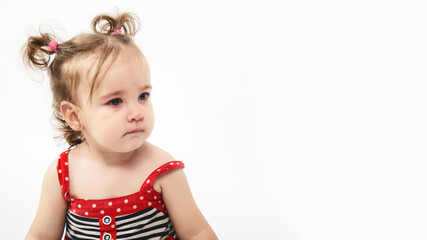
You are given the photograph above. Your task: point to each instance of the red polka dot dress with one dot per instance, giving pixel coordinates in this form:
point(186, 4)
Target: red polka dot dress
point(141, 215)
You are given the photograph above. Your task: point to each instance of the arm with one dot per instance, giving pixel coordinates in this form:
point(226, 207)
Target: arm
point(50, 217)
point(186, 217)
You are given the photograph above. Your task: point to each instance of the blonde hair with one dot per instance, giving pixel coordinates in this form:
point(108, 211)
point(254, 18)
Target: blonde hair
point(65, 69)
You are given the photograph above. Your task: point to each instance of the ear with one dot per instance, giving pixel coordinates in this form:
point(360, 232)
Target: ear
point(70, 113)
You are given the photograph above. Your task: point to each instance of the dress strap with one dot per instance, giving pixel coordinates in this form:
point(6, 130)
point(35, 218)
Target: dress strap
point(63, 175)
point(148, 183)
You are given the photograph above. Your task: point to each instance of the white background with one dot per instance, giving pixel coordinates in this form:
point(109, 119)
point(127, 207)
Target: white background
point(296, 119)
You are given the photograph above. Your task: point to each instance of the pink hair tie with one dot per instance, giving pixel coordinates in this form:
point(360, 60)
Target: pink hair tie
point(52, 45)
point(117, 32)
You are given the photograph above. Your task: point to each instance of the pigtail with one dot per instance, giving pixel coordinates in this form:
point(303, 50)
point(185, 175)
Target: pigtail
point(36, 52)
point(127, 22)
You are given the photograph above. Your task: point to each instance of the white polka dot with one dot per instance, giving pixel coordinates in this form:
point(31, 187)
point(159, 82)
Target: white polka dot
point(118, 210)
point(72, 199)
point(74, 210)
point(126, 201)
point(110, 203)
point(79, 206)
point(149, 204)
point(66, 178)
point(155, 197)
point(60, 171)
point(148, 181)
point(66, 163)
point(134, 206)
point(112, 226)
point(94, 205)
point(149, 191)
point(160, 201)
point(86, 213)
point(158, 169)
point(141, 197)
point(171, 163)
point(102, 211)
point(177, 163)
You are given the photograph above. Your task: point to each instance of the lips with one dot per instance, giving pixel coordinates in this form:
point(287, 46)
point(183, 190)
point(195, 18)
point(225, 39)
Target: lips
point(136, 130)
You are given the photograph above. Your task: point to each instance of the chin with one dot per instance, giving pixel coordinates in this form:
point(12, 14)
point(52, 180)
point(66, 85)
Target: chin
point(133, 145)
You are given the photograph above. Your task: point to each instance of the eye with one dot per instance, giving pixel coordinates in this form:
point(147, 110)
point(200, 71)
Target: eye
point(144, 96)
point(114, 102)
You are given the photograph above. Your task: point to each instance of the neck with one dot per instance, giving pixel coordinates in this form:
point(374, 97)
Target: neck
point(108, 158)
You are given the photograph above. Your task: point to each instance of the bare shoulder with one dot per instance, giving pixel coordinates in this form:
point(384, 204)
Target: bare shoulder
point(51, 172)
point(50, 179)
point(188, 221)
point(158, 155)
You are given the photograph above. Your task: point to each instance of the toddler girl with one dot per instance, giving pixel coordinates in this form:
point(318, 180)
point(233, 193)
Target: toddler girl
point(111, 183)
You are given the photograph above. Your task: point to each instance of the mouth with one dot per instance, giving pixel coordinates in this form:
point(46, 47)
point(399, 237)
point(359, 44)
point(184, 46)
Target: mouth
point(136, 130)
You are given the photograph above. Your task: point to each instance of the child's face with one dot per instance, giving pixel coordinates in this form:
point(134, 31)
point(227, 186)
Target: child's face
point(121, 104)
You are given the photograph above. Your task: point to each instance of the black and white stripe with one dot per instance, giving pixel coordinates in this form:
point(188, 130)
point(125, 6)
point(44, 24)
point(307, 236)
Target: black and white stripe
point(82, 228)
point(149, 223)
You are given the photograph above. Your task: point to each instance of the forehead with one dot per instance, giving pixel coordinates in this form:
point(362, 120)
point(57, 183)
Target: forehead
point(128, 64)
point(125, 72)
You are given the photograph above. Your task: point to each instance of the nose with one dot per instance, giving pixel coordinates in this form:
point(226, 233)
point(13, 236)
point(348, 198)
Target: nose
point(135, 114)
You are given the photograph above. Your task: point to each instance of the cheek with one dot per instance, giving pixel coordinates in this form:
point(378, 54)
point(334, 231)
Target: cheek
point(108, 120)
point(104, 129)
point(94, 120)
point(150, 111)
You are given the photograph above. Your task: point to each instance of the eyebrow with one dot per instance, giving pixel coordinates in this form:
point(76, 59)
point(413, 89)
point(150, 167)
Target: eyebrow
point(114, 93)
